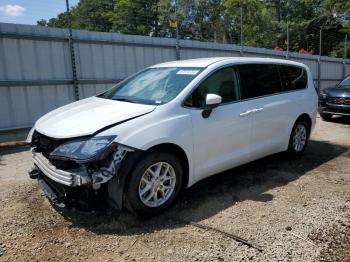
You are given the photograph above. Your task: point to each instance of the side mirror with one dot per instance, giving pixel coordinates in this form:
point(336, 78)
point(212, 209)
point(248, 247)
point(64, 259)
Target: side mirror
point(211, 101)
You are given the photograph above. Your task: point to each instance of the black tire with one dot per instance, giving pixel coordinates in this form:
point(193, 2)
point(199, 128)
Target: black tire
point(132, 198)
point(291, 149)
point(326, 117)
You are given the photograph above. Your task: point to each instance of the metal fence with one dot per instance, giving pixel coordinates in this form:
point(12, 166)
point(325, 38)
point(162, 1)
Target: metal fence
point(37, 65)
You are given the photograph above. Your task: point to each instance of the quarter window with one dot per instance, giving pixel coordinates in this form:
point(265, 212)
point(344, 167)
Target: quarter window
point(293, 78)
point(259, 80)
point(224, 83)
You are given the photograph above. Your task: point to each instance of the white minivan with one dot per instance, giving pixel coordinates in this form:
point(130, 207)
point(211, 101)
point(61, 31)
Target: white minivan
point(167, 127)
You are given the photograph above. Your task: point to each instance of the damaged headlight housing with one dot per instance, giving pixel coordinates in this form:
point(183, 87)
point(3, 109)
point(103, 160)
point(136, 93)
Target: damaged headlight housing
point(83, 149)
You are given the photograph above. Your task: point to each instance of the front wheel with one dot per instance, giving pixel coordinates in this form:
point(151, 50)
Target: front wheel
point(299, 138)
point(153, 184)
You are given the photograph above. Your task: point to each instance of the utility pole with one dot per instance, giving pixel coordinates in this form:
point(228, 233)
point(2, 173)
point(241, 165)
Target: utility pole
point(345, 55)
point(72, 53)
point(319, 63)
point(345, 46)
point(287, 56)
point(241, 50)
point(177, 45)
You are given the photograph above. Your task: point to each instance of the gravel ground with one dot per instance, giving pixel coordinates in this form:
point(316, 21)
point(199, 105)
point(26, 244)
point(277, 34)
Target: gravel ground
point(296, 210)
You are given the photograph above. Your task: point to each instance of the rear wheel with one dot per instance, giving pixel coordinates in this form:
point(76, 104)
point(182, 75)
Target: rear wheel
point(326, 117)
point(154, 184)
point(299, 138)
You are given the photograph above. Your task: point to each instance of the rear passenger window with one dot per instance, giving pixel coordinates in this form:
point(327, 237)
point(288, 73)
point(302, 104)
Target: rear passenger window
point(293, 78)
point(259, 80)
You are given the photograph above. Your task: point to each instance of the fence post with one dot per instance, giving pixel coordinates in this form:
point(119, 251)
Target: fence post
point(177, 48)
point(72, 53)
point(241, 49)
point(177, 45)
point(345, 55)
point(319, 63)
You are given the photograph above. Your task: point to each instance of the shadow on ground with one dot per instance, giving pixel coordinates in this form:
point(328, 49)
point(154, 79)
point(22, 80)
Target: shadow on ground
point(7, 150)
point(217, 193)
point(345, 120)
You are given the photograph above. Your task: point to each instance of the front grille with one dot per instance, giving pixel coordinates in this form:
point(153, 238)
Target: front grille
point(45, 144)
point(64, 164)
point(339, 100)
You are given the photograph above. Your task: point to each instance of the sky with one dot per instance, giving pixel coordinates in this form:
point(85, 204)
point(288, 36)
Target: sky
point(30, 11)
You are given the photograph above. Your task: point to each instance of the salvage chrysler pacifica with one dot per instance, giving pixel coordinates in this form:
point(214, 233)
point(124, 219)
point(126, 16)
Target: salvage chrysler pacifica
point(167, 127)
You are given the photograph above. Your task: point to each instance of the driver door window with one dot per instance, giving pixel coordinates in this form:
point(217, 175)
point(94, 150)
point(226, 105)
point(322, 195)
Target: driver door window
point(223, 82)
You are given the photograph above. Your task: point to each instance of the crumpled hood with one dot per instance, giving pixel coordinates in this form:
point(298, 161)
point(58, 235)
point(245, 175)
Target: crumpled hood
point(87, 116)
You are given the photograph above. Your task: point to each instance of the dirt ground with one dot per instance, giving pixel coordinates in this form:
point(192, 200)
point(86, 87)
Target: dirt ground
point(296, 210)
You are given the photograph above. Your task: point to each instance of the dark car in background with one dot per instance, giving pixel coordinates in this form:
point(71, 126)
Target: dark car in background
point(335, 100)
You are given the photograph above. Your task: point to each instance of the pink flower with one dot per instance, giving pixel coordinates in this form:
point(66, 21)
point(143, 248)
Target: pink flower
point(277, 48)
point(305, 52)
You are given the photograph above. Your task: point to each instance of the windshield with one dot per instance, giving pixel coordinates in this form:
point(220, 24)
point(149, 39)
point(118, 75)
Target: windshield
point(153, 85)
point(345, 83)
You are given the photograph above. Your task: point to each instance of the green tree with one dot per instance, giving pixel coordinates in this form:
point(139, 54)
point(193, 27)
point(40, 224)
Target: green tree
point(42, 22)
point(259, 23)
point(213, 22)
point(204, 20)
point(88, 14)
point(264, 21)
point(61, 21)
point(91, 15)
point(134, 17)
point(298, 14)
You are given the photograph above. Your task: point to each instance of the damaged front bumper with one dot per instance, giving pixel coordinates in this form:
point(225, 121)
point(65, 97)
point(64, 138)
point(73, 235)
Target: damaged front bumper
point(82, 175)
point(70, 178)
point(89, 182)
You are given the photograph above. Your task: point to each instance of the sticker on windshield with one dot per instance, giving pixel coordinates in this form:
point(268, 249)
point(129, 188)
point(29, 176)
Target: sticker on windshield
point(187, 72)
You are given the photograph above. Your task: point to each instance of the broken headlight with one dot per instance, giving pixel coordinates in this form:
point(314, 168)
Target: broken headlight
point(83, 149)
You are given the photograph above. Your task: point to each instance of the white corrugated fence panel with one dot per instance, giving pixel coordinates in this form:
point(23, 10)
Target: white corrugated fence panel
point(35, 53)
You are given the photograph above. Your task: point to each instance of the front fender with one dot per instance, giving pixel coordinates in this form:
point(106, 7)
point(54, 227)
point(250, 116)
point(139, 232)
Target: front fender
point(175, 129)
point(154, 129)
point(116, 186)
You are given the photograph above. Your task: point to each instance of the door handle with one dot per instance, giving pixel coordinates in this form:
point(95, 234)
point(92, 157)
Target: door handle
point(245, 113)
point(248, 112)
point(258, 109)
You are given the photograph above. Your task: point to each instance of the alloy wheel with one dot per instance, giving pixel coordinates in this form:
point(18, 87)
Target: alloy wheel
point(157, 184)
point(299, 137)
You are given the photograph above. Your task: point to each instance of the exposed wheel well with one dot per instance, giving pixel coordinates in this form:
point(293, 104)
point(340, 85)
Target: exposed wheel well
point(178, 152)
point(306, 118)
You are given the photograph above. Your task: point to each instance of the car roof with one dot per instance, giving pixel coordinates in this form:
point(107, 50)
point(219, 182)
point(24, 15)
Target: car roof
point(205, 62)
